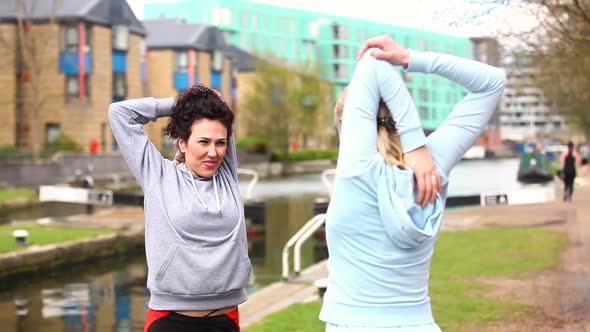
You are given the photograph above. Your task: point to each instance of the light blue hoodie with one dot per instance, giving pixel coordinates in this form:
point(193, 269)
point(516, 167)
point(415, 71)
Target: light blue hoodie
point(380, 241)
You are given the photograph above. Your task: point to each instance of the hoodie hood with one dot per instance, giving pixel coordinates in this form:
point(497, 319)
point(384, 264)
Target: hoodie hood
point(192, 176)
point(406, 223)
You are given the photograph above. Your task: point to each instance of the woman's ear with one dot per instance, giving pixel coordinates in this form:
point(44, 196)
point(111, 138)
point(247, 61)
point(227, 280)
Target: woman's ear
point(182, 145)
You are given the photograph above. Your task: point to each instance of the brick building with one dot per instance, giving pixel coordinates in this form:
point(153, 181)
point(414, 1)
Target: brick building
point(66, 61)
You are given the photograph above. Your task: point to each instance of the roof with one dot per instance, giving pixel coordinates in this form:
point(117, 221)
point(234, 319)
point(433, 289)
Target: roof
point(176, 33)
point(245, 62)
point(103, 12)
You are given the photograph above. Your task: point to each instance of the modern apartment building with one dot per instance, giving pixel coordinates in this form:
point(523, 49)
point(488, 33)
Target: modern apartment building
point(525, 113)
point(488, 50)
point(85, 55)
point(180, 55)
point(333, 41)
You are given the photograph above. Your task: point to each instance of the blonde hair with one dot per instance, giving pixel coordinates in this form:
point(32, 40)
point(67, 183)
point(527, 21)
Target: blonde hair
point(388, 140)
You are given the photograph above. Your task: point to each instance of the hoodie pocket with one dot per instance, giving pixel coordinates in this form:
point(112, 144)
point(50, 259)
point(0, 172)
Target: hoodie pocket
point(203, 270)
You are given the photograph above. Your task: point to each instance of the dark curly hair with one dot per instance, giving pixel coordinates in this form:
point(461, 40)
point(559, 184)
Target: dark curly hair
point(198, 102)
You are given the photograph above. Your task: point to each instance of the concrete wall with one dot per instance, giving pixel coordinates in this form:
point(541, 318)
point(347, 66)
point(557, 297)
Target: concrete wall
point(61, 169)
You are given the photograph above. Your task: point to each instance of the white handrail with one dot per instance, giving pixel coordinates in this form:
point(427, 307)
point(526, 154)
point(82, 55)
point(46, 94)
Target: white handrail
point(300, 233)
point(325, 174)
point(252, 182)
point(304, 236)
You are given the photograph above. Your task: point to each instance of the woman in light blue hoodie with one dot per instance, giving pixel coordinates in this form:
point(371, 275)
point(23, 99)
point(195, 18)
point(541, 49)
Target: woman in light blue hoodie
point(380, 240)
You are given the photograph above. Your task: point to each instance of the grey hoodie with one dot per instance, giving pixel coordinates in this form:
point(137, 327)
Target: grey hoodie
point(195, 234)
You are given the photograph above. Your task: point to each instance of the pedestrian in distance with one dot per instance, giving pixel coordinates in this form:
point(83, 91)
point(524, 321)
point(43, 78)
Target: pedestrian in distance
point(195, 234)
point(569, 159)
point(380, 226)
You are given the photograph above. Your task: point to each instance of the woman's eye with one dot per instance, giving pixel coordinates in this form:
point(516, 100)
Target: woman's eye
point(203, 142)
point(220, 143)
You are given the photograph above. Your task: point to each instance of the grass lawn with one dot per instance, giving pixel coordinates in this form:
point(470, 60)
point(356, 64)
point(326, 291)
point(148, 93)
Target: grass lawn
point(44, 234)
point(10, 194)
point(457, 298)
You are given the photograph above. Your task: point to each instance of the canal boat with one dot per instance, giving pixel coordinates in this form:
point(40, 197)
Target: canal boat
point(534, 168)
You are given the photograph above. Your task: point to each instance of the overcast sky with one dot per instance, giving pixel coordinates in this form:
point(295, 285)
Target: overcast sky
point(448, 16)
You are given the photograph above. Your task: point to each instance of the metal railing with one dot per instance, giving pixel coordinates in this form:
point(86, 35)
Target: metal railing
point(252, 182)
point(326, 181)
point(296, 240)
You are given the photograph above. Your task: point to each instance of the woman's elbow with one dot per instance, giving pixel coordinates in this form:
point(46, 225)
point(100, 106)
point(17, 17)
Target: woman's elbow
point(501, 78)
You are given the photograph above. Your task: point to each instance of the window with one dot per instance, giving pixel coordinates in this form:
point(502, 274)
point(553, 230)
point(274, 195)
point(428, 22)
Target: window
point(341, 71)
point(119, 86)
point(195, 57)
point(244, 19)
point(254, 21)
point(52, 131)
point(142, 51)
point(73, 87)
point(314, 28)
point(423, 95)
point(422, 43)
point(217, 62)
point(340, 51)
point(407, 76)
point(243, 42)
point(265, 22)
point(340, 31)
point(227, 36)
point(234, 76)
point(423, 111)
point(69, 38)
point(181, 61)
point(120, 37)
point(222, 16)
point(309, 49)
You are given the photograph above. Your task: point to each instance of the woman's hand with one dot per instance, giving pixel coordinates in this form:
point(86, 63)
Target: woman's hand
point(388, 50)
point(426, 175)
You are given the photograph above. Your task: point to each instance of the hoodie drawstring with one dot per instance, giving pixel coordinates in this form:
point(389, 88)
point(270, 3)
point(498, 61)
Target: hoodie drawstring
point(199, 195)
point(216, 195)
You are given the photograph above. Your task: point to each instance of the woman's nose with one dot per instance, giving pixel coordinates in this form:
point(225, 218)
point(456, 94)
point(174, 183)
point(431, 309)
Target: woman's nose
point(211, 151)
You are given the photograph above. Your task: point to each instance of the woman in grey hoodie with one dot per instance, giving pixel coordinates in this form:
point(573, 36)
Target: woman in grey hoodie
point(195, 235)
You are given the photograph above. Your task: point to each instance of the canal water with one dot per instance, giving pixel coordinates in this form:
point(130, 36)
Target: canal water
point(110, 295)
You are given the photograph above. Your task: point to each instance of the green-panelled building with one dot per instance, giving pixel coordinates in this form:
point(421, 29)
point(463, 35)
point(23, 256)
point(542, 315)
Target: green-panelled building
point(298, 35)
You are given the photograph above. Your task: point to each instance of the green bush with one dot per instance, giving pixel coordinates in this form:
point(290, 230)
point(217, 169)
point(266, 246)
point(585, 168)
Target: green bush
point(252, 144)
point(306, 154)
point(13, 152)
point(62, 143)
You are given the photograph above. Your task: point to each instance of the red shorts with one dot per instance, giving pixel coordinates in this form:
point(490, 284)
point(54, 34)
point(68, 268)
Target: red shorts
point(166, 320)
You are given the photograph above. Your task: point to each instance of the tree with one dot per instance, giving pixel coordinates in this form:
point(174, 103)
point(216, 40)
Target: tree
point(557, 42)
point(285, 102)
point(34, 56)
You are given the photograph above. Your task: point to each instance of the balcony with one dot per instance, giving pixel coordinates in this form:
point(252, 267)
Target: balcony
point(69, 64)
